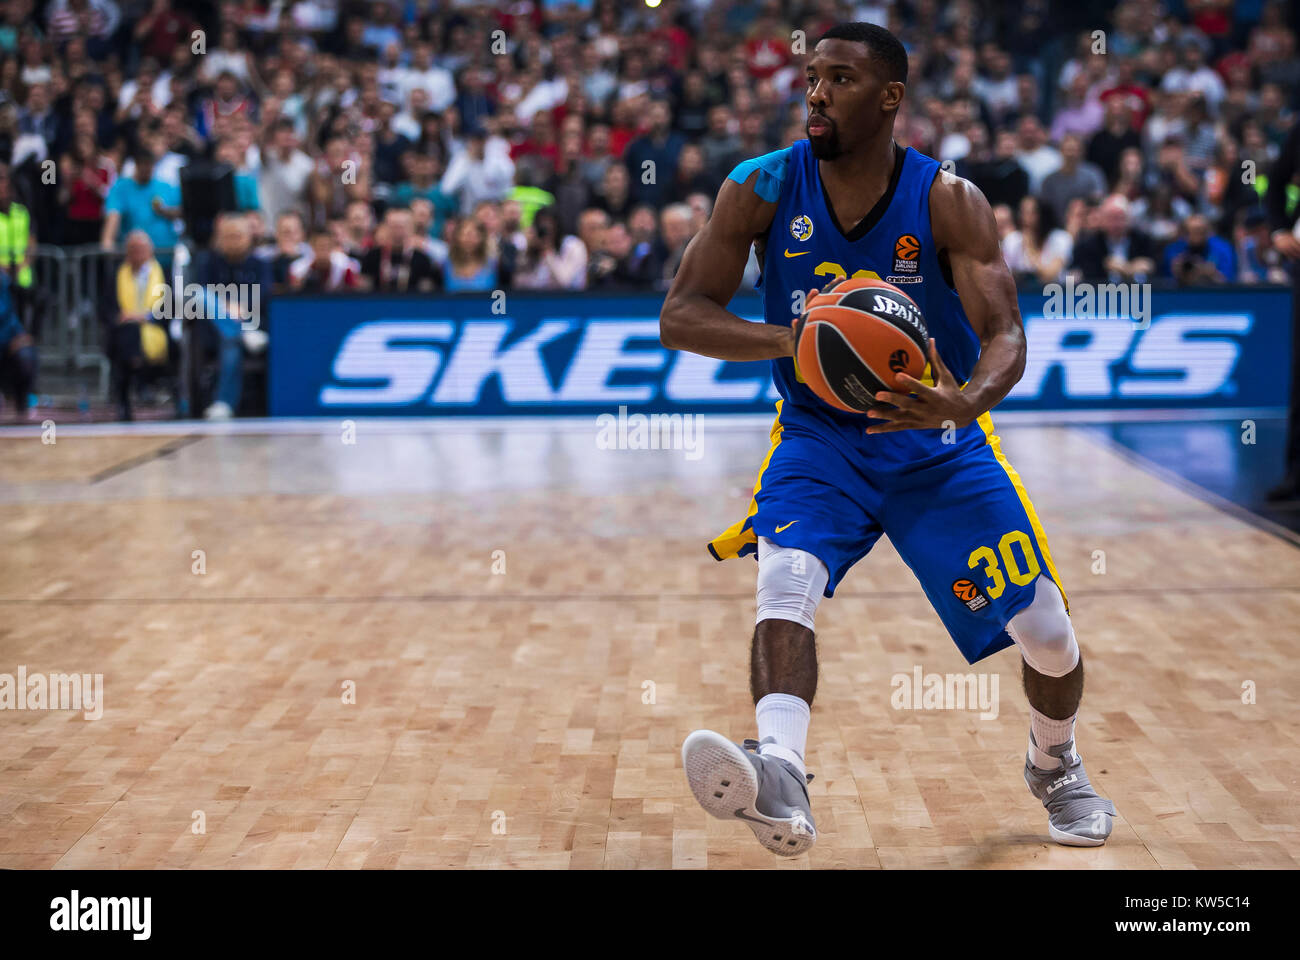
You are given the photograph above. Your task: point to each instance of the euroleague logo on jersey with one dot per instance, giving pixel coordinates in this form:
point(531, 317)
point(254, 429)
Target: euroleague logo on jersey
point(801, 227)
point(968, 593)
point(907, 253)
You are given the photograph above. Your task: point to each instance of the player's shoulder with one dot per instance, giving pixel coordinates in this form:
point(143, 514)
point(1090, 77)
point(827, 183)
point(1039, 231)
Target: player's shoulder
point(960, 214)
point(750, 193)
point(953, 194)
point(765, 175)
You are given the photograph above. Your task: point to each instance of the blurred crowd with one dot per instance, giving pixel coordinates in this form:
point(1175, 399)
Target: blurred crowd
point(456, 145)
point(408, 144)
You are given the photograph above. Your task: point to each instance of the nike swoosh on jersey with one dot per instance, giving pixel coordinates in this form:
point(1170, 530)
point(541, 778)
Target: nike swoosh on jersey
point(790, 524)
point(801, 253)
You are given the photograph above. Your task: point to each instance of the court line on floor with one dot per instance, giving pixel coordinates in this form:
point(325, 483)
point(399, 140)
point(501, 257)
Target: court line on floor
point(166, 450)
point(1190, 487)
point(598, 597)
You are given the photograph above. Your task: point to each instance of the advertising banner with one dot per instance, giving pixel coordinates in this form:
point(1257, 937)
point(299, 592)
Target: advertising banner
point(548, 354)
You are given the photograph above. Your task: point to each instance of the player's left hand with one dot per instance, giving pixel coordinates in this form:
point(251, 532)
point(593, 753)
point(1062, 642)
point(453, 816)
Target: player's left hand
point(925, 407)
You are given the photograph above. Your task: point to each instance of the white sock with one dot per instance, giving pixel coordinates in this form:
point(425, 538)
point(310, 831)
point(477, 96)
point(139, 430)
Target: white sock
point(1049, 733)
point(784, 718)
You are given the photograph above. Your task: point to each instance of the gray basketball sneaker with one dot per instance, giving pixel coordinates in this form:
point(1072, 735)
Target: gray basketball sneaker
point(766, 793)
point(1076, 815)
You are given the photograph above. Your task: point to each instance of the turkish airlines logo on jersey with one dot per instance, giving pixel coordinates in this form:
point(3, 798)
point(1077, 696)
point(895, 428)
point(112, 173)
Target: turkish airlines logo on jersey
point(907, 251)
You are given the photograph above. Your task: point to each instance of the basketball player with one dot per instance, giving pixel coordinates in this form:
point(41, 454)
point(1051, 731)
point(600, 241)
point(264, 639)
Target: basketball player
point(924, 466)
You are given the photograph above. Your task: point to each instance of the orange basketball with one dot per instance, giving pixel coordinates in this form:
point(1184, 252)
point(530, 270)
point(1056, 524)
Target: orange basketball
point(856, 339)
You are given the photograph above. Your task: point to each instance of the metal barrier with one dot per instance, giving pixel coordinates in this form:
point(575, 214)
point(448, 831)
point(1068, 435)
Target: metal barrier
point(70, 305)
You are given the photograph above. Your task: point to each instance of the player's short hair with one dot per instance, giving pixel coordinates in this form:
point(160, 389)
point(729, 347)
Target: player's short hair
point(883, 46)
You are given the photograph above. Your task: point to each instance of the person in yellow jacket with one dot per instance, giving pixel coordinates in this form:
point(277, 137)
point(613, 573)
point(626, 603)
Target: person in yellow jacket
point(17, 238)
point(136, 341)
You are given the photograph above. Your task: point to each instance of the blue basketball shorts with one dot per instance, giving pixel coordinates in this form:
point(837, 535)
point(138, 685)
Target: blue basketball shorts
point(961, 520)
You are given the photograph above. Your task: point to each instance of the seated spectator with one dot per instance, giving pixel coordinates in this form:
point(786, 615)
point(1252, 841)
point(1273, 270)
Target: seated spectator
point(244, 281)
point(1193, 75)
point(539, 153)
point(289, 247)
point(1258, 260)
point(614, 195)
point(610, 267)
point(1116, 135)
point(503, 245)
point(1006, 221)
point(1161, 212)
point(358, 229)
point(1081, 114)
point(85, 176)
point(1037, 251)
point(285, 171)
point(1130, 176)
point(660, 146)
point(326, 269)
point(423, 182)
point(1115, 252)
point(422, 233)
point(395, 264)
point(701, 205)
point(142, 202)
point(390, 147)
point(339, 178)
point(549, 261)
point(1035, 152)
point(227, 58)
point(1076, 178)
point(228, 100)
point(721, 144)
point(675, 232)
point(647, 257)
point(1001, 176)
point(568, 185)
point(482, 171)
point(470, 265)
point(167, 164)
point(228, 152)
point(135, 341)
point(691, 176)
point(1227, 194)
point(1200, 258)
point(1172, 170)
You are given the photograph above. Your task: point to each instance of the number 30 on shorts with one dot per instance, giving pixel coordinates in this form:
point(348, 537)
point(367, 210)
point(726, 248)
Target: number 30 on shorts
point(1021, 569)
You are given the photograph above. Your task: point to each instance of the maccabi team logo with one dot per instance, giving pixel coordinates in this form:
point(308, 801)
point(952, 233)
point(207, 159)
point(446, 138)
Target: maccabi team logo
point(907, 251)
point(801, 228)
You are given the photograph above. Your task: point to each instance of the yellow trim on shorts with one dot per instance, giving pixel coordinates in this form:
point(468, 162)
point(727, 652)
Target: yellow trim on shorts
point(986, 424)
point(729, 543)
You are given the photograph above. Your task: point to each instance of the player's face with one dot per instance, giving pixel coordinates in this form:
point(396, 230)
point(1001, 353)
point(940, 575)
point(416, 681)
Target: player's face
point(848, 100)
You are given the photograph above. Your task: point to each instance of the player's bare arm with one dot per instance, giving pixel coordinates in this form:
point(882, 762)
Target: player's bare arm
point(695, 315)
point(964, 230)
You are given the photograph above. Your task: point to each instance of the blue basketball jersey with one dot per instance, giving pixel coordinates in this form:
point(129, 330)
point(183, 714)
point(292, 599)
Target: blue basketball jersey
point(949, 501)
point(806, 248)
